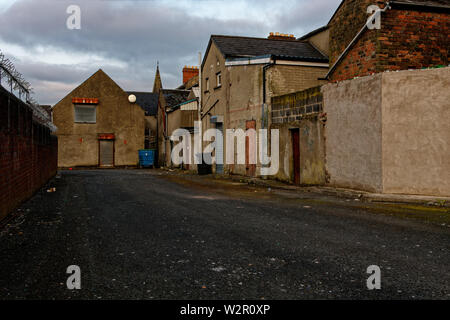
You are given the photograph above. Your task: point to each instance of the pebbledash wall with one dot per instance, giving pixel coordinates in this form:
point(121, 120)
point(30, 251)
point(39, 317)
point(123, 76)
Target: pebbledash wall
point(28, 153)
point(389, 132)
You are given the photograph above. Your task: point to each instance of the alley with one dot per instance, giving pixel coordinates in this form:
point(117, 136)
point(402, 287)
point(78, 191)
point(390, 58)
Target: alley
point(143, 234)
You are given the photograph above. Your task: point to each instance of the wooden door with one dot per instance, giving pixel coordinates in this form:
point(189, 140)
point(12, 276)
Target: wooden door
point(296, 154)
point(106, 154)
point(250, 169)
point(219, 150)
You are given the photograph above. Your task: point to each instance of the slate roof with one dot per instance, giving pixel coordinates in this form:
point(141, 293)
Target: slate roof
point(147, 100)
point(234, 46)
point(174, 97)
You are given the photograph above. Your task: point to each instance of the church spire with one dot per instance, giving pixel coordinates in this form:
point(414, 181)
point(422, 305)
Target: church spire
point(157, 84)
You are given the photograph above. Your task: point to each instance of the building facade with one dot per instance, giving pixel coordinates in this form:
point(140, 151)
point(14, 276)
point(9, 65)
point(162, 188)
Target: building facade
point(170, 115)
point(239, 77)
point(98, 126)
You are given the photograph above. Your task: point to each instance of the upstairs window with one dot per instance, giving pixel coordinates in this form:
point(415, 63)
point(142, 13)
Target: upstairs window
point(207, 84)
point(218, 79)
point(85, 113)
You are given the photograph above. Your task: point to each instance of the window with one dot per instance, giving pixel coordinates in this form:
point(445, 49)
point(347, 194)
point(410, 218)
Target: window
point(85, 114)
point(218, 79)
point(207, 84)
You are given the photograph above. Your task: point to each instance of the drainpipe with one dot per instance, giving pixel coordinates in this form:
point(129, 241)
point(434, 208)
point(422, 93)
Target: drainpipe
point(166, 137)
point(266, 66)
point(157, 134)
point(199, 107)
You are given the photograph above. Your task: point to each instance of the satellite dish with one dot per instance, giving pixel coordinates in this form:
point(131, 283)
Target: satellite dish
point(132, 98)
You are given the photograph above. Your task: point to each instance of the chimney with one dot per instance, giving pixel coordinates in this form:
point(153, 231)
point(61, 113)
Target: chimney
point(189, 72)
point(281, 36)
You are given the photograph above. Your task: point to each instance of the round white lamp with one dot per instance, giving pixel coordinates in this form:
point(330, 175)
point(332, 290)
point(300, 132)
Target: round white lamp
point(132, 98)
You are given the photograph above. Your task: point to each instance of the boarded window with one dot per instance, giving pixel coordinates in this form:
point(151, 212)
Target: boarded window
point(85, 114)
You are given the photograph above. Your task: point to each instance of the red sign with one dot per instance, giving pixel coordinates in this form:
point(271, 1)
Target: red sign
point(106, 136)
point(85, 100)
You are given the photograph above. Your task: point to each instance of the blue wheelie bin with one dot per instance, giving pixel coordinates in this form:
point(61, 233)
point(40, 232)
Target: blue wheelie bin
point(146, 158)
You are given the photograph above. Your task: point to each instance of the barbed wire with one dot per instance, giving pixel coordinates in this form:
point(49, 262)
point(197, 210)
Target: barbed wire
point(17, 82)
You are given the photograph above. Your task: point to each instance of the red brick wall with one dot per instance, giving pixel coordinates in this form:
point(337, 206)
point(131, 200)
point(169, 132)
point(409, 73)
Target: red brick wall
point(411, 40)
point(408, 39)
point(28, 154)
point(346, 23)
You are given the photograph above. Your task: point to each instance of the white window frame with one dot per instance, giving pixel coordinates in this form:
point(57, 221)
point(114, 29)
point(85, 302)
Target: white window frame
point(218, 79)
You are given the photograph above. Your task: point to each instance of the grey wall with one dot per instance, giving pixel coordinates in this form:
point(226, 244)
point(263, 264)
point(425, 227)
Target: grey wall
point(416, 132)
point(353, 133)
point(390, 132)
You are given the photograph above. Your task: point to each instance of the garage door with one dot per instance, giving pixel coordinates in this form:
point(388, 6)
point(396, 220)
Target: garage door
point(106, 153)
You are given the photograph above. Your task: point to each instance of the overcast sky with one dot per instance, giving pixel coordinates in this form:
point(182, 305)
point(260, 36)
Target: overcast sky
point(127, 38)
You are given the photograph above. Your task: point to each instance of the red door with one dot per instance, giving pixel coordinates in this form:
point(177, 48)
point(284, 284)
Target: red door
point(296, 154)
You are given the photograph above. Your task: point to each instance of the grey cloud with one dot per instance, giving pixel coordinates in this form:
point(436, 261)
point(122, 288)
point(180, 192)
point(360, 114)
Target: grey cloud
point(307, 16)
point(138, 34)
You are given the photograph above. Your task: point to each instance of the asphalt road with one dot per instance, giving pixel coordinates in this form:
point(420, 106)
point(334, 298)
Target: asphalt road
point(138, 234)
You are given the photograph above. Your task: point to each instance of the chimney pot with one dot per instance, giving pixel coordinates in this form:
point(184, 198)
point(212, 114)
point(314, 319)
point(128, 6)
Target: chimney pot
point(280, 36)
point(189, 72)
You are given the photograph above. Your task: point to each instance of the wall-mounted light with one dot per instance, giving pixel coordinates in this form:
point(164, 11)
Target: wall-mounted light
point(132, 98)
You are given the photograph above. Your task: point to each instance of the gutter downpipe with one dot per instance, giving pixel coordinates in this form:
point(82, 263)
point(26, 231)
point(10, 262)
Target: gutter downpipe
point(199, 107)
point(166, 137)
point(266, 66)
point(369, 20)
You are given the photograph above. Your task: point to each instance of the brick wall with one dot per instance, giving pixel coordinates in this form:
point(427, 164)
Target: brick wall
point(28, 153)
point(282, 79)
point(413, 40)
point(189, 73)
point(295, 106)
point(346, 23)
point(408, 39)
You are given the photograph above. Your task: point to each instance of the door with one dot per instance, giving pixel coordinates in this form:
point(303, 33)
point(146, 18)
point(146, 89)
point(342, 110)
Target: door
point(219, 149)
point(296, 154)
point(106, 153)
point(250, 169)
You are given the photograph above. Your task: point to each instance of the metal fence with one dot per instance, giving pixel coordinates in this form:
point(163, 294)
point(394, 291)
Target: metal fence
point(20, 88)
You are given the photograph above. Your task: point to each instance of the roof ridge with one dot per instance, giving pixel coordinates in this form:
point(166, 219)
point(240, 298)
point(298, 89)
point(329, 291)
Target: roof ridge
point(257, 38)
point(180, 90)
point(140, 91)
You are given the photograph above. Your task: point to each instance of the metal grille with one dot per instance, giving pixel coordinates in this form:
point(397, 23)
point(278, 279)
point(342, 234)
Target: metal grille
point(106, 153)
